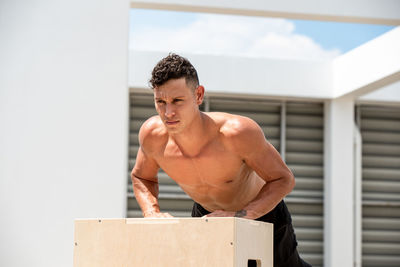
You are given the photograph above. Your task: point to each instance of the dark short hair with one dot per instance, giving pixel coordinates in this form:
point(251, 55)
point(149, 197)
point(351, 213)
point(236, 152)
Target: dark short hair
point(174, 67)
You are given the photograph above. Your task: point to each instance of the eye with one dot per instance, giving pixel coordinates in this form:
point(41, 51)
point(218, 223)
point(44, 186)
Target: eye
point(177, 100)
point(160, 101)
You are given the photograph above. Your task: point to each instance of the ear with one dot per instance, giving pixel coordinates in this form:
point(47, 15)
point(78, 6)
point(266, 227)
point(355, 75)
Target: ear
point(199, 94)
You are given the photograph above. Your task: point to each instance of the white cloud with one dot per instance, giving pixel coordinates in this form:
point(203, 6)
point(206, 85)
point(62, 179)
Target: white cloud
point(232, 35)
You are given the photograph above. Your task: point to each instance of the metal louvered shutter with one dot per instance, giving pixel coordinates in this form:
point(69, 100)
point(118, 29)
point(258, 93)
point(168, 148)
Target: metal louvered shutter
point(295, 129)
point(380, 131)
point(304, 156)
point(265, 113)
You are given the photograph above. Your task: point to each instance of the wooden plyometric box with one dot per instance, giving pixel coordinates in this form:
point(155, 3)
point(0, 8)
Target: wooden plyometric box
point(185, 242)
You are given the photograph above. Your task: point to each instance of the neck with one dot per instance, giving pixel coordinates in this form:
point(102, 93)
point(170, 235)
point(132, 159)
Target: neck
point(194, 137)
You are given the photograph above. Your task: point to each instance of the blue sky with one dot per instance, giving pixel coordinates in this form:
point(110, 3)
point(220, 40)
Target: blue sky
point(247, 36)
point(347, 35)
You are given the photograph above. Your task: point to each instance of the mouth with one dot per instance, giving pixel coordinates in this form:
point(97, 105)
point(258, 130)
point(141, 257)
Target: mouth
point(172, 122)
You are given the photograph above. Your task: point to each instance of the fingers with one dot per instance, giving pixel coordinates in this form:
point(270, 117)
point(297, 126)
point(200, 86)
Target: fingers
point(163, 215)
point(167, 215)
point(159, 215)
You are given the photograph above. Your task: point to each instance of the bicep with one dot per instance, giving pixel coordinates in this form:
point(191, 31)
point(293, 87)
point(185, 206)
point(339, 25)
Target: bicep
point(259, 154)
point(265, 160)
point(145, 167)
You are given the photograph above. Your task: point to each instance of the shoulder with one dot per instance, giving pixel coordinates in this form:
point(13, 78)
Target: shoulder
point(241, 134)
point(236, 126)
point(152, 134)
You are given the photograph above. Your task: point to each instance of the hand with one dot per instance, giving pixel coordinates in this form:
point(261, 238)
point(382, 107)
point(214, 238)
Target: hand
point(157, 215)
point(221, 213)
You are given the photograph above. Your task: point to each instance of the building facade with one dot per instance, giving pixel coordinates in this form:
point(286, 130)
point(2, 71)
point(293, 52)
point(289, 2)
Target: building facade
point(68, 83)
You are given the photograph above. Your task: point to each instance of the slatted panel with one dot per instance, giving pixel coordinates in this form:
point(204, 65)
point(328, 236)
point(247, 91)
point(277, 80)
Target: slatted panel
point(265, 113)
point(380, 130)
point(304, 156)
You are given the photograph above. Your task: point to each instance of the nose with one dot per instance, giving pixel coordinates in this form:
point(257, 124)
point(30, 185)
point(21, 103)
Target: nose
point(169, 111)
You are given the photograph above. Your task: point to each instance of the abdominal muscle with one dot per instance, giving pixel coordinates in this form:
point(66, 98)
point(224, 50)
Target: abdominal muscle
point(232, 195)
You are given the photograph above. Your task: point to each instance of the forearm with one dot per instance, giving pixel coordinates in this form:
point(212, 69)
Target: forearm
point(269, 196)
point(146, 194)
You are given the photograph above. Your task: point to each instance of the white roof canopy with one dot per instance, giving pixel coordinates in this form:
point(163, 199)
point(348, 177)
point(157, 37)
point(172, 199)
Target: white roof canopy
point(357, 11)
point(373, 65)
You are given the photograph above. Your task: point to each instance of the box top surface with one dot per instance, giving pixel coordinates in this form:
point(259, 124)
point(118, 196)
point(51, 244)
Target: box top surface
point(171, 220)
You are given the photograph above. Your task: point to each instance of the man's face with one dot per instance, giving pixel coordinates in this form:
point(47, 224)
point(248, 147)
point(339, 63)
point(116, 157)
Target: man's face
point(177, 104)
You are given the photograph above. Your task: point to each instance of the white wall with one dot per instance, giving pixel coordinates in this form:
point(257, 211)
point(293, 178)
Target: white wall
point(263, 76)
point(387, 94)
point(257, 76)
point(63, 119)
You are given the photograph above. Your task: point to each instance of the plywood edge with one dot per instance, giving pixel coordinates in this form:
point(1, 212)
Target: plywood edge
point(151, 220)
point(252, 227)
point(172, 220)
point(235, 241)
point(96, 219)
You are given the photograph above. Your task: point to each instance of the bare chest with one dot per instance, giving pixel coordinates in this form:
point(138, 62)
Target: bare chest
point(213, 166)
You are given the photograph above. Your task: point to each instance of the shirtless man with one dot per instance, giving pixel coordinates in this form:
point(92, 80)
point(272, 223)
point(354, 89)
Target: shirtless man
point(222, 161)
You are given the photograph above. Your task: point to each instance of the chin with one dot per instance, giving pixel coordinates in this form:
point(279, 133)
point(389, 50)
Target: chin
point(173, 129)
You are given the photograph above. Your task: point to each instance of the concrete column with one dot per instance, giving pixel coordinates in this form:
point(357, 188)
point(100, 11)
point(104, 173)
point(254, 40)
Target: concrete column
point(63, 123)
point(339, 184)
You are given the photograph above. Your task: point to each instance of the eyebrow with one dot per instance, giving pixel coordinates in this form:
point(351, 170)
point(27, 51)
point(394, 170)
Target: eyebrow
point(160, 98)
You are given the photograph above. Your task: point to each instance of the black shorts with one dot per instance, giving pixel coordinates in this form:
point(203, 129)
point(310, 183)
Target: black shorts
point(285, 244)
